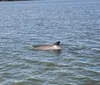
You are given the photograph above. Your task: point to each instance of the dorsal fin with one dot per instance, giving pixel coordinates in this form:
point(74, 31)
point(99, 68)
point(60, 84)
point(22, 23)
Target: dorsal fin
point(57, 43)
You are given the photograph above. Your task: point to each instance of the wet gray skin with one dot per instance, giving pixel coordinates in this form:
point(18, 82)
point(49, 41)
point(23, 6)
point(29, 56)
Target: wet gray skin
point(56, 46)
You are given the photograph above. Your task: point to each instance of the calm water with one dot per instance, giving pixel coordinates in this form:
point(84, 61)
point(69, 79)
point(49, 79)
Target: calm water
point(75, 24)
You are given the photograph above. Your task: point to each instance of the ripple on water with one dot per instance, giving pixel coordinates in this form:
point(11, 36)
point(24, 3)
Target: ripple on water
point(76, 25)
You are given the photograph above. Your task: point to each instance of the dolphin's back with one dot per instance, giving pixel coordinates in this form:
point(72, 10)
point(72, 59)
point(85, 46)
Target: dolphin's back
point(55, 46)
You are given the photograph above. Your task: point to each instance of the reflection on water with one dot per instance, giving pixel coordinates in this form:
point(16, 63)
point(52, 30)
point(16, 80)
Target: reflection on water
point(24, 24)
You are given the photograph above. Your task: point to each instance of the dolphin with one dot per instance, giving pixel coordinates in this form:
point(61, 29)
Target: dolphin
point(54, 47)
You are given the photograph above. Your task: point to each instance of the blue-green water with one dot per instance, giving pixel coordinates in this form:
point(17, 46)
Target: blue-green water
point(76, 24)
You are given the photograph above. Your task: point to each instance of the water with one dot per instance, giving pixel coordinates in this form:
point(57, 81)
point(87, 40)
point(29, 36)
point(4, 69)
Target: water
point(76, 24)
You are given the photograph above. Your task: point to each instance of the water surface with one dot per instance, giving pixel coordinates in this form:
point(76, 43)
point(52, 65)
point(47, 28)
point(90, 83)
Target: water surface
point(75, 24)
